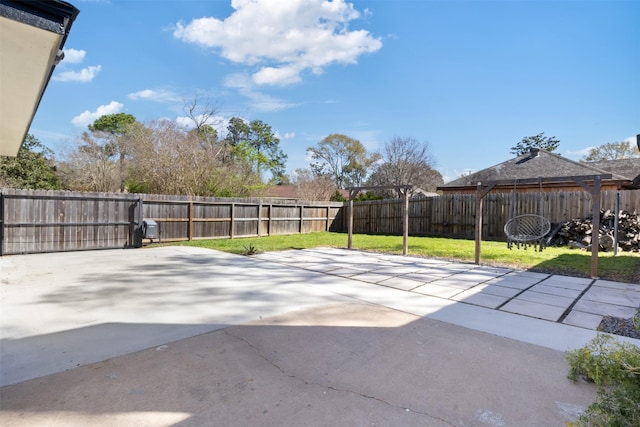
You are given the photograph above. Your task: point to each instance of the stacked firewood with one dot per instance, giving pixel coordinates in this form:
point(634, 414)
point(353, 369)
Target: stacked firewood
point(577, 233)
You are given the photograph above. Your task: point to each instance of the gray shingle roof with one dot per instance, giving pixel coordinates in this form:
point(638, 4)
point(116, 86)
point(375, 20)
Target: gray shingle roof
point(545, 165)
point(629, 168)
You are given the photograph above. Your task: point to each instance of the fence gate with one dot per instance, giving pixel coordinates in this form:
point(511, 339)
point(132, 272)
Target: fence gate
point(35, 222)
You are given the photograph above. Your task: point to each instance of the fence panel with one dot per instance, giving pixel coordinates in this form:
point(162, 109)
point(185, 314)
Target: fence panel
point(56, 221)
point(52, 221)
point(454, 215)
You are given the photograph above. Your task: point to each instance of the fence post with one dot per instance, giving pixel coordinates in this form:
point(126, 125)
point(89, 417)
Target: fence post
point(233, 219)
point(259, 219)
point(301, 220)
point(190, 224)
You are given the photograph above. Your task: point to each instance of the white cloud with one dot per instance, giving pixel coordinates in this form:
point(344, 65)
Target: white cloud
point(154, 95)
point(84, 75)
point(259, 101)
point(74, 56)
point(286, 38)
point(87, 117)
point(632, 140)
point(577, 154)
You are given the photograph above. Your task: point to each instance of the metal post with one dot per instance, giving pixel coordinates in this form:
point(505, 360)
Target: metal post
point(616, 223)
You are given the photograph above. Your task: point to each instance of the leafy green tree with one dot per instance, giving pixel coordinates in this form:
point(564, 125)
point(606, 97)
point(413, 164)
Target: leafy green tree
point(342, 158)
point(256, 142)
point(32, 168)
point(547, 143)
point(612, 151)
point(114, 127)
point(267, 147)
point(237, 132)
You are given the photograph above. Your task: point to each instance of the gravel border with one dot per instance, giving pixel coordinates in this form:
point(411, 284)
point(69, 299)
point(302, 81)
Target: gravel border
point(618, 326)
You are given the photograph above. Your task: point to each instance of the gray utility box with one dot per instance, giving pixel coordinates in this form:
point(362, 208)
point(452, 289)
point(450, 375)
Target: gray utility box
point(150, 229)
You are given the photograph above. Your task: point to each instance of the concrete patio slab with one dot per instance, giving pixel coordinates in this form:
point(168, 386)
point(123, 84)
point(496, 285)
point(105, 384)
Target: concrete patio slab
point(557, 291)
point(480, 298)
point(513, 281)
point(543, 298)
point(614, 296)
point(597, 307)
point(339, 365)
point(84, 312)
point(401, 283)
point(534, 309)
point(437, 290)
point(582, 319)
point(501, 291)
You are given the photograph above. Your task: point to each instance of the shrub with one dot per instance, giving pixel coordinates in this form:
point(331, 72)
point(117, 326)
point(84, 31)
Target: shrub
point(615, 368)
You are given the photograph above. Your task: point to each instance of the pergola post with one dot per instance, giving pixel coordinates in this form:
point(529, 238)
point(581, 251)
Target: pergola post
point(405, 223)
point(350, 224)
point(404, 189)
point(480, 193)
point(478, 229)
point(595, 234)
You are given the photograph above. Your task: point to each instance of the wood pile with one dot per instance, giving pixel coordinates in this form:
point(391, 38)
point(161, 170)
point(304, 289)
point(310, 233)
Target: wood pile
point(577, 233)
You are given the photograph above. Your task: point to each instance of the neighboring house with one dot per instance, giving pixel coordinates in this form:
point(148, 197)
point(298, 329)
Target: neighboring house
point(625, 174)
point(629, 168)
point(419, 193)
point(292, 192)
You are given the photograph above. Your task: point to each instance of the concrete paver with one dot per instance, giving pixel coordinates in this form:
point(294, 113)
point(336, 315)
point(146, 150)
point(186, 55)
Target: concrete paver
point(534, 309)
point(552, 297)
point(583, 320)
point(544, 298)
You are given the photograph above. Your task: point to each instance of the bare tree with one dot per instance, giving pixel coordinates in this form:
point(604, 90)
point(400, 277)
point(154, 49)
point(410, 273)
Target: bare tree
point(92, 166)
point(170, 160)
point(612, 151)
point(313, 187)
point(404, 161)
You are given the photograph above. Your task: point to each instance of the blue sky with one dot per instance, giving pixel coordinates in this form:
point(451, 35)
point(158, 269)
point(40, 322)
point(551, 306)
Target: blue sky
point(470, 77)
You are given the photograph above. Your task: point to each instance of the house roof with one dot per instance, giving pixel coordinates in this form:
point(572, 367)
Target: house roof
point(540, 164)
point(629, 168)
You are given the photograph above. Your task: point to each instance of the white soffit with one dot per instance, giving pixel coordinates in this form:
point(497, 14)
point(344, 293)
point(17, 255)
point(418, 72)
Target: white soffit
point(28, 54)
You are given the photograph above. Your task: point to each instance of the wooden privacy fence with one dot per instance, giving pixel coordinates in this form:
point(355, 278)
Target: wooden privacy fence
point(454, 215)
point(181, 218)
point(56, 221)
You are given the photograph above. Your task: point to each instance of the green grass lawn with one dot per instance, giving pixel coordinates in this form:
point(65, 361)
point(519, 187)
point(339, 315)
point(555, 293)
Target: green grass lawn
point(625, 267)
